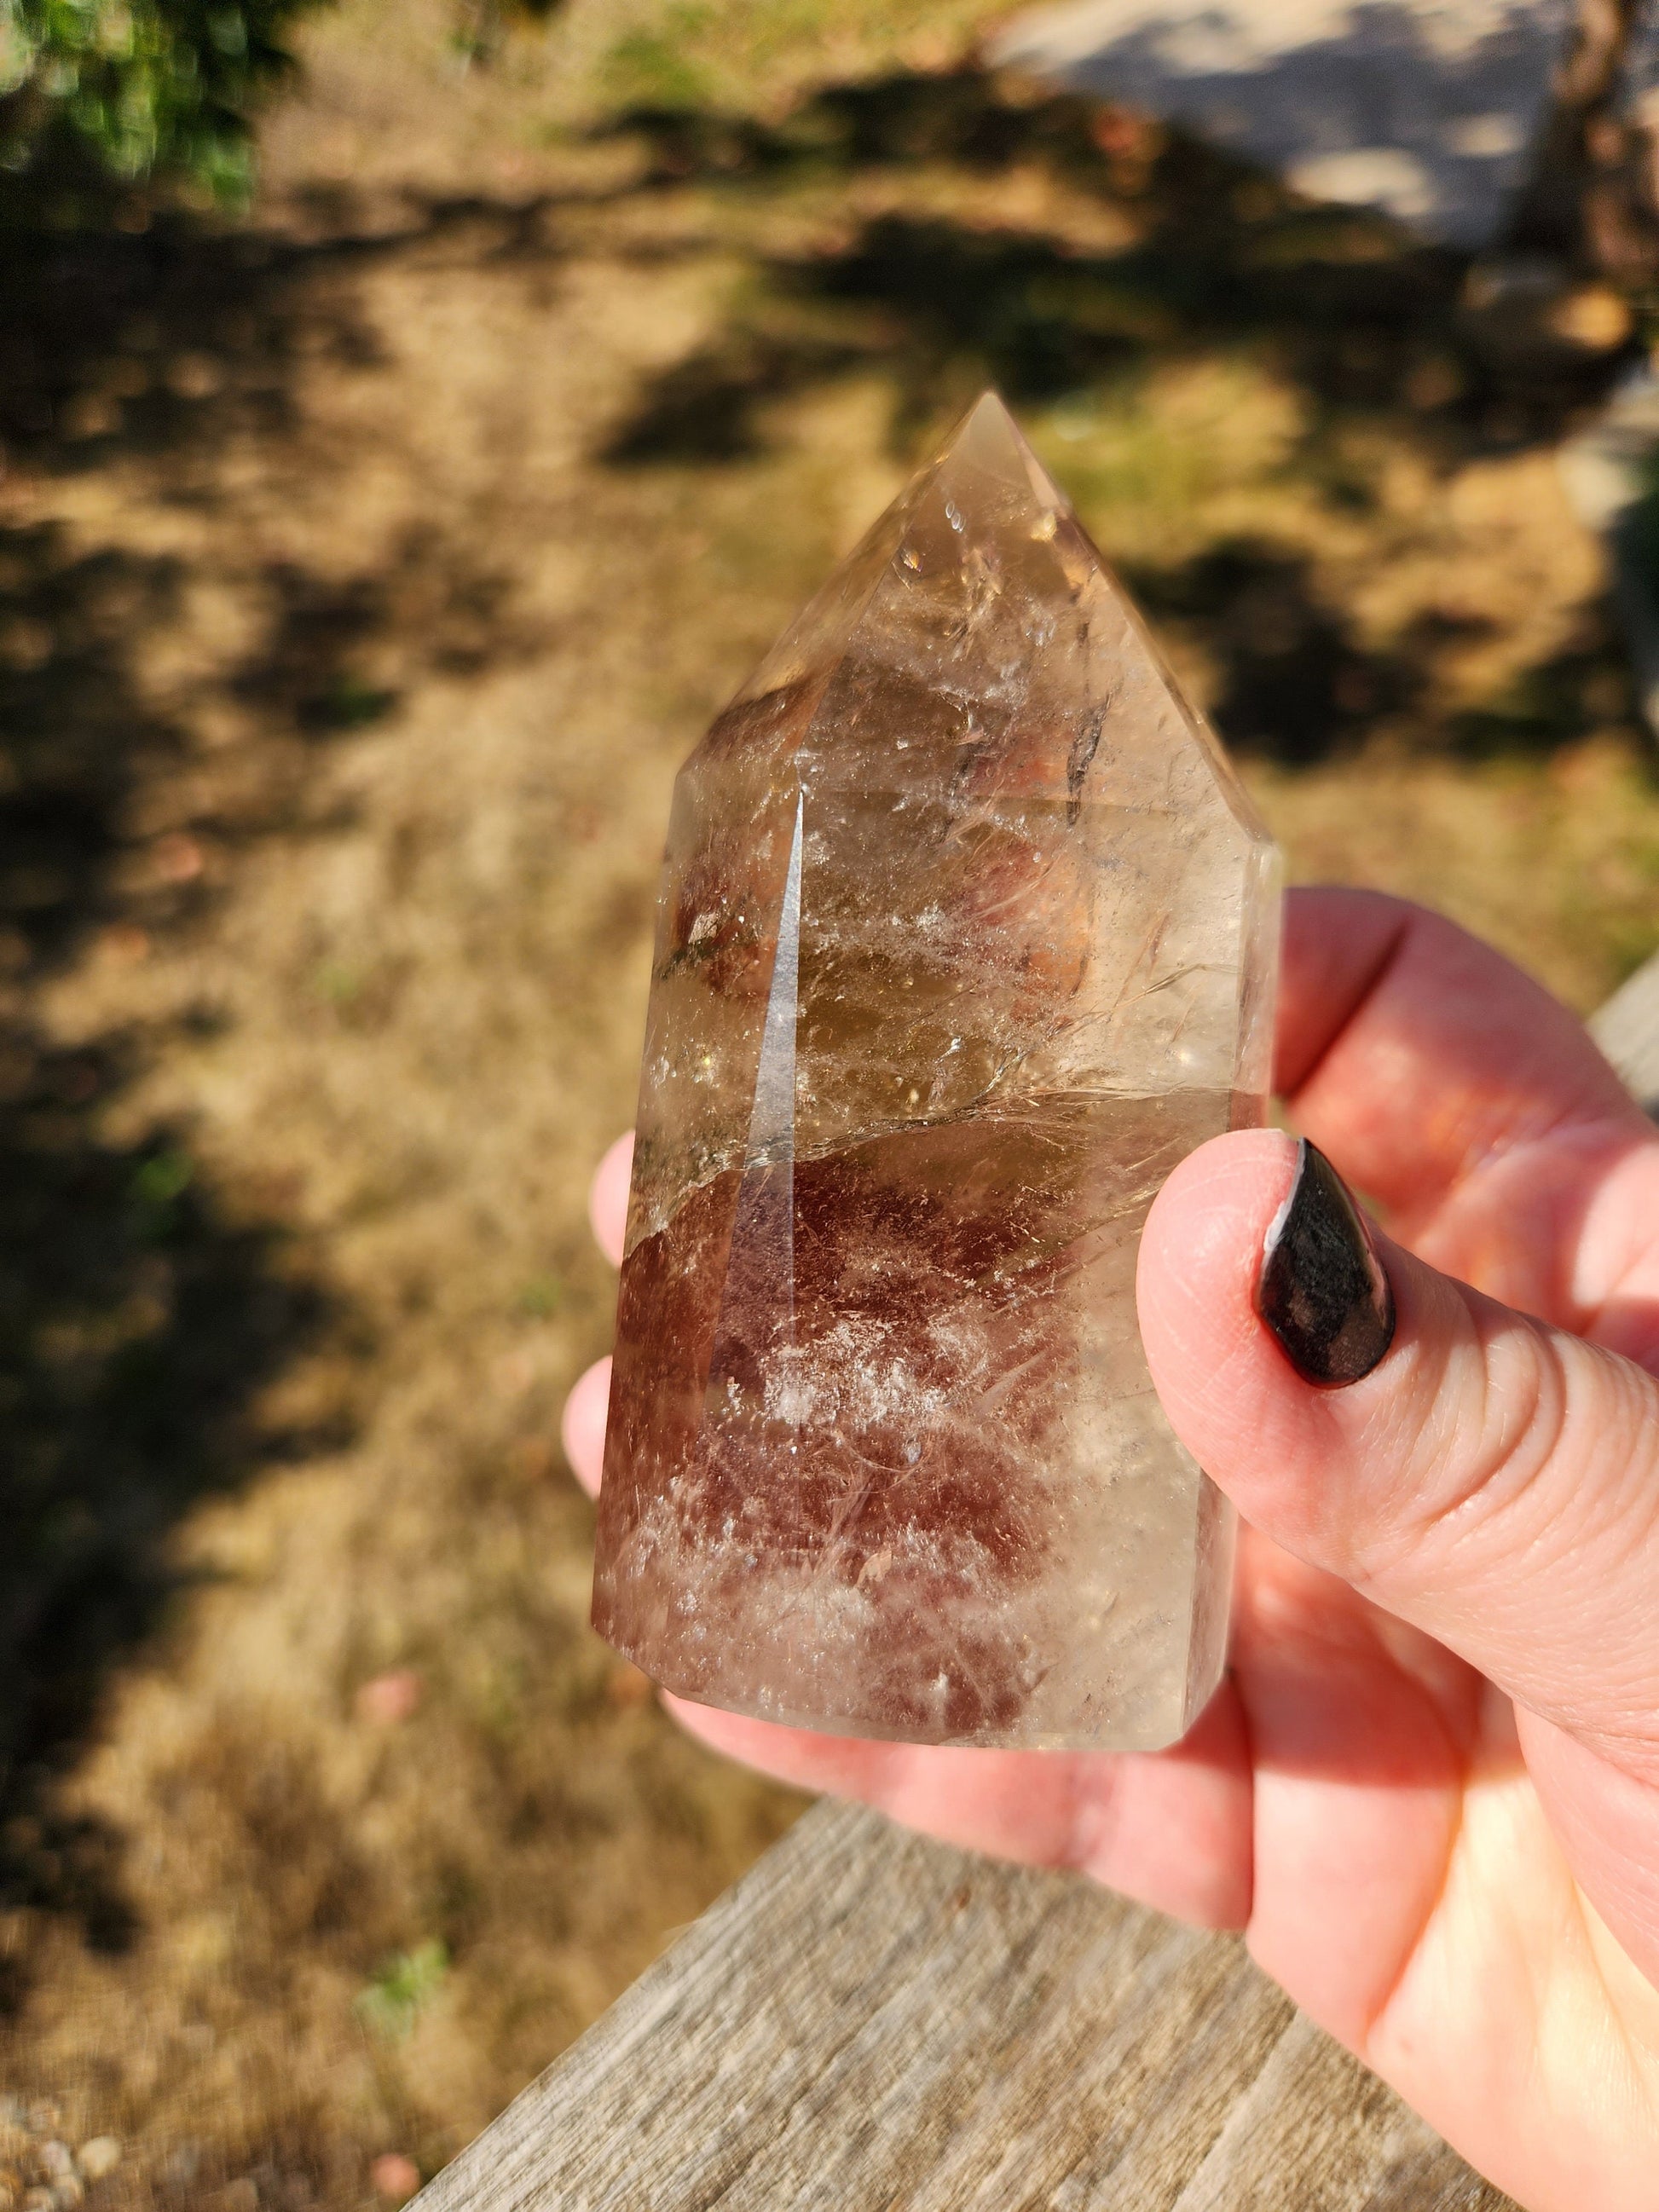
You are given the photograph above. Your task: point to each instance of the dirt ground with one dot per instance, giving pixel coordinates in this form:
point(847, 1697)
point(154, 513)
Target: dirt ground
point(365, 568)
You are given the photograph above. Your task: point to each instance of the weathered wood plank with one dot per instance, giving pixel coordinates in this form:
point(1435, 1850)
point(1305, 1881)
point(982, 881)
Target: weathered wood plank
point(870, 2020)
point(1627, 1031)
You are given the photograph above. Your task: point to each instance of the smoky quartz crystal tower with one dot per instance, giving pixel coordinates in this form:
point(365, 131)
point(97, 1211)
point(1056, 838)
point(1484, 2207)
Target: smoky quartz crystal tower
point(967, 934)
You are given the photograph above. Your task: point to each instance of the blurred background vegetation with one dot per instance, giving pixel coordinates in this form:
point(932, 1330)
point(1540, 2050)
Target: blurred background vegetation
point(117, 91)
point(379, 524)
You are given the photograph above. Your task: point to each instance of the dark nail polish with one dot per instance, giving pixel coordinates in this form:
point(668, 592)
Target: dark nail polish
point(1323, 1291)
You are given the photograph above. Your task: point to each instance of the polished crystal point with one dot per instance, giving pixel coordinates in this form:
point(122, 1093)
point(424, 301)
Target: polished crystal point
point(967, 934)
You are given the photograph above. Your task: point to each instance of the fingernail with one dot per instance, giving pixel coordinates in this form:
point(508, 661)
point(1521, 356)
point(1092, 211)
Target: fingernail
point(1323, 1291)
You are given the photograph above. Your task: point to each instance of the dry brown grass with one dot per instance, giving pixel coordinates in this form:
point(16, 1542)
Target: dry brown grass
point(365, 576)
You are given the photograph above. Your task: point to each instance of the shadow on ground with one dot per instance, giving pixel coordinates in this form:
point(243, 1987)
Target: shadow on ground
point(140, 1319)
point(135, 1322)
point(1094, 247)
point(1207, 257)
point(1211, 254)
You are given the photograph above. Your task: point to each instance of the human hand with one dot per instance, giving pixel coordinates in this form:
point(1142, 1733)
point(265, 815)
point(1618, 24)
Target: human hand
point(1429, 1789)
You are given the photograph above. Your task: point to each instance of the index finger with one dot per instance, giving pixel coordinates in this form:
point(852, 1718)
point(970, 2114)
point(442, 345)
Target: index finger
point(1411, 1052)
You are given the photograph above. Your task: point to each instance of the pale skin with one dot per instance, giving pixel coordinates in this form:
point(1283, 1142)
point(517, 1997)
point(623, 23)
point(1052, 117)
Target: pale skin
point(1428, 1790)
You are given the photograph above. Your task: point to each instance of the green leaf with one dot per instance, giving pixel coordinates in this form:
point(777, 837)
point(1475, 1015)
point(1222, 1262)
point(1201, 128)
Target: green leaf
point(142, 88)
point(390, 2005)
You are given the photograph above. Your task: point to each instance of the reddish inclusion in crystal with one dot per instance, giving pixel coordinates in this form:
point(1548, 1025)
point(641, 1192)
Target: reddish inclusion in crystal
point(925, 1267)
point(966, 936)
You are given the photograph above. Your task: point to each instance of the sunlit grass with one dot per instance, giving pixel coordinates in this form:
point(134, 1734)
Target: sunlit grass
point(749, 55)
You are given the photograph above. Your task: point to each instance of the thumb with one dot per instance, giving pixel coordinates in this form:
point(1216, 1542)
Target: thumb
point(1487, 1477)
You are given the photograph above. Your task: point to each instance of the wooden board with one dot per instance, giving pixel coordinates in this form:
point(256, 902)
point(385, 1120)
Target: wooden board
point(1627, 1031)
point(869, 2021)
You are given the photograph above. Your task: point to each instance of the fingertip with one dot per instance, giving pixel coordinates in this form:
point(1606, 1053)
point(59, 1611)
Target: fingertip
point(607, 1197)
point(581, 1430)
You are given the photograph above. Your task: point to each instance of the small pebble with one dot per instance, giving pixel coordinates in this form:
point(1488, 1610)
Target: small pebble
point(57, 2159)
point(389, 1699)
point(67, 2192)
point(178, 857)
point(532, 1458)
point(181, 2165)
point(628, 1687)
point(395, 2176)
point(125, 944)
point(99, 2157)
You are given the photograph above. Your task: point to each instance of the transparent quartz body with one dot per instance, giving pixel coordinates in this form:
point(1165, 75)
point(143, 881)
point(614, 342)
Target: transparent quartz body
point(968, 934)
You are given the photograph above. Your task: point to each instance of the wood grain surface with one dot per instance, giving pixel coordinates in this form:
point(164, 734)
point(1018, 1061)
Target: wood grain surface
point(1627, 1031)
point(872, 2020)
